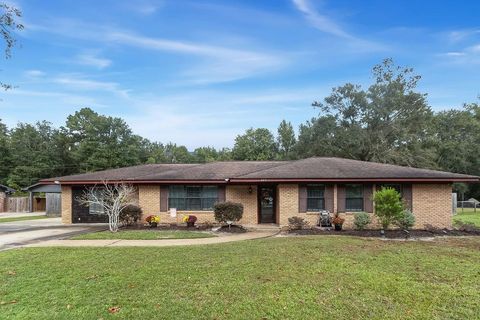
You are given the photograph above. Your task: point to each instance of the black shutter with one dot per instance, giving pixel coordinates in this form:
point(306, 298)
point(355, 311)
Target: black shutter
point(302, 198)
point(340, 198)
point(221, 193)
point(368, 198)
point(407, 195)
point(163, 198)
point(329, 197)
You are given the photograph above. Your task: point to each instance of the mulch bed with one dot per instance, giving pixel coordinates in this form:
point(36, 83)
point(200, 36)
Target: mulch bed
point(389, 234)
point(232, 229)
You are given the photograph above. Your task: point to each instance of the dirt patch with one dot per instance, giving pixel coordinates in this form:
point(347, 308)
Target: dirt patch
point(389, 234)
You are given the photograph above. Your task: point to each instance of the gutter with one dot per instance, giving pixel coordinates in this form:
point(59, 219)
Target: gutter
point(267, 180)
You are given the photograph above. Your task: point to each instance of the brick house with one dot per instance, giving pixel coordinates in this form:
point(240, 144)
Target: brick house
point(270, 191)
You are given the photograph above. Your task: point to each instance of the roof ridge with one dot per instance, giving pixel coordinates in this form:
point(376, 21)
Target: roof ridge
point(193, 165)
point(274, 166)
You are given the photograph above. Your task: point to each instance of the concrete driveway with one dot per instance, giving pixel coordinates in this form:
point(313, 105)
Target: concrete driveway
point(20, 233)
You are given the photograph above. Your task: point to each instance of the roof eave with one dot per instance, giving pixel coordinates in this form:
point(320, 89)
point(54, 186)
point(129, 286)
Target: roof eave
point(170, 181)
point(292, 180)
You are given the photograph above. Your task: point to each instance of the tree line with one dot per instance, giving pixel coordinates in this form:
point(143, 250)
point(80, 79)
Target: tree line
point(390, 121)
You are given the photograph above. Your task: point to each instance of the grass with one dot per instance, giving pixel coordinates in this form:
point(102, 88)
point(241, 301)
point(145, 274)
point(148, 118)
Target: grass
point(468, 216)
point(12, 219)
point(277, 278)
point(143, 235)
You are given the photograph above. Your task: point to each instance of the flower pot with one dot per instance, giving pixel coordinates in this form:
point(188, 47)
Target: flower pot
point(153, 225)
point(338, 227)
point(190, 224)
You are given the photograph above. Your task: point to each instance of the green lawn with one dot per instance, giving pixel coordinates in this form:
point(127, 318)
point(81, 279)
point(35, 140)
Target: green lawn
point(12, 219)
point(143, 235)
point(277, 278)
point(468, 216)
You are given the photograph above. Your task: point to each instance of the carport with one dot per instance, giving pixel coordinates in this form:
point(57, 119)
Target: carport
point(53, 198)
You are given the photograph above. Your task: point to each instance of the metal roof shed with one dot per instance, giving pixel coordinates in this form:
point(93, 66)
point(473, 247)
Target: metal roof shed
point(52, 194)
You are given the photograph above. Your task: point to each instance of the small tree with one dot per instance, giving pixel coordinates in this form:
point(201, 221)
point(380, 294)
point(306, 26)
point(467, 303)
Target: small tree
point(113, 198)
point(388, 206)
point(228, 211)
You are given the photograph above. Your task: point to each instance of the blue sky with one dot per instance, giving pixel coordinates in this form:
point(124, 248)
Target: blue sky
point(200, 72)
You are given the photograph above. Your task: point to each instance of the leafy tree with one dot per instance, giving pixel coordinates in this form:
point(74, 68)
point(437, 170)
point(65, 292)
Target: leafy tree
point(9, 16)
point(388, 122)
point(205, 154)
point(34, 153)
point(286, 139)
point(224, 154)
point(457, 136)
point(5, 155)
point(255, 144)
point(388, 206)
point(177, 154)
point(99, 142)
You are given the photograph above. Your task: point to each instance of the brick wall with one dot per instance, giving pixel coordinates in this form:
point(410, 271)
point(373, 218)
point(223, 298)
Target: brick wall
point(149, 200)
point(432, 205)
point(66, 204)
point(241, 194)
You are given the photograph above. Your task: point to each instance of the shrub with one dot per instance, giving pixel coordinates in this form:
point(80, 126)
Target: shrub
point(228, 211)
point(361, 220)
point(297, 223)
point(130, 215)
point(388, 206)
point(406, 220)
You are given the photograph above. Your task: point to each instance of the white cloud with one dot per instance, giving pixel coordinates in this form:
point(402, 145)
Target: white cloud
point(460, 35)
point(467, 56)
point(89, 59)
point(218, 117)
point(319, 21)
point(455, 54)
point(218, 63)
point(329, 26)
point(81, 83)
point(34, 73)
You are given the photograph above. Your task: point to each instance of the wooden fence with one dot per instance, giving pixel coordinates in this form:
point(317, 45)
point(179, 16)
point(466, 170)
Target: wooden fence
point(53, 204)
point(17, 204)
point(20, 204)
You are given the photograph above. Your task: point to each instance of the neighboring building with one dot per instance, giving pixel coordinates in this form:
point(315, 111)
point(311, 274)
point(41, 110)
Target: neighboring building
point(270, 191)
point(52, 198)
point(4, 192)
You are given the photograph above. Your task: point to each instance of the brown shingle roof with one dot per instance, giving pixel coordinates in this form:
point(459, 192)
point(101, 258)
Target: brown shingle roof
point(322, 169)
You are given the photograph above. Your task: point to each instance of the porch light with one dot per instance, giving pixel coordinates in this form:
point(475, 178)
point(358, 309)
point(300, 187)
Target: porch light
point(250, 190)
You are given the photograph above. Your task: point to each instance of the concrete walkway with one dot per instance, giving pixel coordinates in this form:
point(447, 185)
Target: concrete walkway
point(155, 243)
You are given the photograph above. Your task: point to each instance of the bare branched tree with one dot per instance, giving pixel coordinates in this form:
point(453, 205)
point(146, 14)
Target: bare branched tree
point(9, 24)
point(112, 198)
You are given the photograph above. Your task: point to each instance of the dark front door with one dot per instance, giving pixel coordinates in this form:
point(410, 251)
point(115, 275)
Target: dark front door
point(266, 204)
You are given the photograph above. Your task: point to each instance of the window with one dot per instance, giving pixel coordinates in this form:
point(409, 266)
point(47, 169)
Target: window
point(354, 197)
point(192, 198)
point(96, 208)
point(395, 186)
point(315, 197)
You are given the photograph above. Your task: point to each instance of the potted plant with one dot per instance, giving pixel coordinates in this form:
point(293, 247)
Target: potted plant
point(338, 221)
point(153, 221)
point(190, 220)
